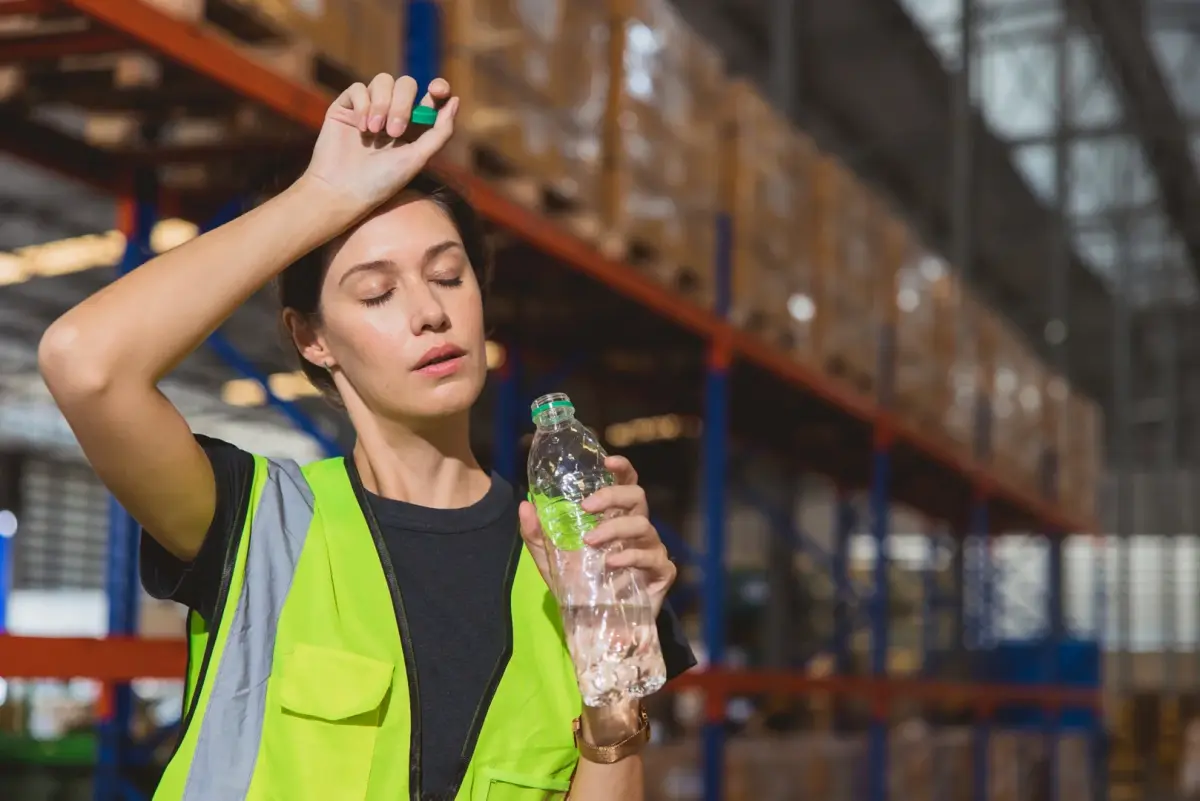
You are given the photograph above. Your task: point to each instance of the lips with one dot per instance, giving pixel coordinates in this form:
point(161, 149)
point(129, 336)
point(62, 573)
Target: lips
point(439, 355)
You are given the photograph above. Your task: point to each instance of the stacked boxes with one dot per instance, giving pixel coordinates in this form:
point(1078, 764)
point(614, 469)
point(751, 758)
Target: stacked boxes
point(1018, 382)
point(925, 303)
point(767, 186)
point(304, 38)
point(503, 59)
point(661, 146)
point(852, 263)
point(1081, 458)
point(969, 378)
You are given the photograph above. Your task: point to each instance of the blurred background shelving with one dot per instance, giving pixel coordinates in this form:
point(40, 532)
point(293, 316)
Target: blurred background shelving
point(891, 301)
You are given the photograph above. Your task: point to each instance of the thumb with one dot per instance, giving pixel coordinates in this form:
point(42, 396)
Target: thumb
point(531, 527)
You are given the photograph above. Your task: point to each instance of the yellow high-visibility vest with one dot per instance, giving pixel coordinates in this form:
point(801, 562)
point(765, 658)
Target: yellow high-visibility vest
point(301, 689)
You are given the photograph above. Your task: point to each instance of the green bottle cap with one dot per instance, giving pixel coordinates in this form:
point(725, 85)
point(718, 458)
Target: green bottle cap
point(554, 404)
point(424, 115)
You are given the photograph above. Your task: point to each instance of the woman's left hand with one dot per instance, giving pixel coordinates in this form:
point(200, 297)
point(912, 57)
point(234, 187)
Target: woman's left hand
point(625, 518)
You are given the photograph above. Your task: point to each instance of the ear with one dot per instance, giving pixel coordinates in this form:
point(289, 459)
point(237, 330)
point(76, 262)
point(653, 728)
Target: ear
point(307, 339)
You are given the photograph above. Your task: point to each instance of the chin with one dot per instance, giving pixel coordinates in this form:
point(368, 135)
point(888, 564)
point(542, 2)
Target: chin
point(449, 399)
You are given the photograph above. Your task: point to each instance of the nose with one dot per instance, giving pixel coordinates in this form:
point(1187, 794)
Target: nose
point(426, 312)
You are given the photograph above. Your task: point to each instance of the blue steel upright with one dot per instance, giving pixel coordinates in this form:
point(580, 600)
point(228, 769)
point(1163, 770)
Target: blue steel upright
point(715, 459)
point(881, 479)
point(507, 428)
point(5, 580)
point(423, 32)
point(979, 529)
point(121, 574)
point(843, 623)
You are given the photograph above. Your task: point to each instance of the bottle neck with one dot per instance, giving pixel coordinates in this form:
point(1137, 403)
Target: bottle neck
point(555, 419)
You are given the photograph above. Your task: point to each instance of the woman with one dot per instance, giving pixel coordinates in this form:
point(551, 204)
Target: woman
point(355, 612)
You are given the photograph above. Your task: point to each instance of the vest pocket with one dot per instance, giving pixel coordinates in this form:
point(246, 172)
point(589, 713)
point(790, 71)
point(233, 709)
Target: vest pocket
point(329, 715)
point(494, 784)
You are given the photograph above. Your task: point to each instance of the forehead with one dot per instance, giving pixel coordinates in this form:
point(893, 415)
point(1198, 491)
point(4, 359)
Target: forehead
point(400, 231)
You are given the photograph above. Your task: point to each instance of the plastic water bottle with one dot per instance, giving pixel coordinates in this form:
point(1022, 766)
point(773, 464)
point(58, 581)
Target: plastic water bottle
point(606, 612)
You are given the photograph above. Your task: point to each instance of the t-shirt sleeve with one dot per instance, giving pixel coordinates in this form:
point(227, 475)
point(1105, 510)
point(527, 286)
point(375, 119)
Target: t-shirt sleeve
point(196, 584)
point(677, 651)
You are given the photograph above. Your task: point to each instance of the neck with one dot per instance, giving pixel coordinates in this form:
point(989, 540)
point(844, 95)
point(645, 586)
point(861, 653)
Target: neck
point(430, 465)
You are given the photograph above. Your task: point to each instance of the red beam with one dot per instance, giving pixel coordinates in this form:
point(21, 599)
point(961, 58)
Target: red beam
point(112, 659)
point(32, 7)
point(51, 46)
point(978, 696)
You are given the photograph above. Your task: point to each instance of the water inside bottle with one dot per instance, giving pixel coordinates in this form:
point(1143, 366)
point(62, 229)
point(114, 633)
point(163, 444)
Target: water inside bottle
point(606, 613)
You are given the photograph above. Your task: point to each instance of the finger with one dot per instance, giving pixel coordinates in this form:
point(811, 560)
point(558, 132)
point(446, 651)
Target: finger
point(380, 89)
point(654, 561)
point(438, 94)
point(622, 469)
point(632, 531)
point(429, 143)
point(404, 92)
point(351, 106)
point(531, 527)
point(626, 498)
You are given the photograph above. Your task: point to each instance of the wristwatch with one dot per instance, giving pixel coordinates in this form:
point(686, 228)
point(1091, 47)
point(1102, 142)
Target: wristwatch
point(609, 754)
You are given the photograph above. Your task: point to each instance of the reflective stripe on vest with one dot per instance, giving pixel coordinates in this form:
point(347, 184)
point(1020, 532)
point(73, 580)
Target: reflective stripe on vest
point(305, 695)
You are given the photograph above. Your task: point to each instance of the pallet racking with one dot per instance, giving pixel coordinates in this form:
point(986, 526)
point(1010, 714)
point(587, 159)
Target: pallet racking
point(857, 440)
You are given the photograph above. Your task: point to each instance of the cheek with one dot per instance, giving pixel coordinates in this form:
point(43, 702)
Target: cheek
point(368, 339)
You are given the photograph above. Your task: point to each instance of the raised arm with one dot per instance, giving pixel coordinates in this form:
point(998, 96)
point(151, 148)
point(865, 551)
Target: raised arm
point(103, 359)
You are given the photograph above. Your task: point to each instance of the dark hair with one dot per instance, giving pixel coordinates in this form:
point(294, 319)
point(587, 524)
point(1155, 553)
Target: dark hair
point(299, 286)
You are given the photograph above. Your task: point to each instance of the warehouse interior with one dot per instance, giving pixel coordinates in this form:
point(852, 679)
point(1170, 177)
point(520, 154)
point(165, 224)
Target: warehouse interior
point(891, 302)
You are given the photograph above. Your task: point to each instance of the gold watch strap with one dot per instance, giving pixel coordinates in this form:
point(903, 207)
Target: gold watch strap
point(610, 754)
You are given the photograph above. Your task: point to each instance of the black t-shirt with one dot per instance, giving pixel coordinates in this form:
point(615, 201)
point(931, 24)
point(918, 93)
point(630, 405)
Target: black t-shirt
point(451, 566)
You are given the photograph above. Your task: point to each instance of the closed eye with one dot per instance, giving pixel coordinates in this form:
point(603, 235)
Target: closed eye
point(448, 281)
point(379, 300)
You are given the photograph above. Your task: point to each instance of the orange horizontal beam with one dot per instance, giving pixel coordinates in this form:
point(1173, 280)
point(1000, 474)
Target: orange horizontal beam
point(109, 659)
point(208, 54)
point(978, 696)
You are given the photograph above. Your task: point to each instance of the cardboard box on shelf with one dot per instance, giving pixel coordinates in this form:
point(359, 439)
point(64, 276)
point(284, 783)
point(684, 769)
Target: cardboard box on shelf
point(925, 302)
point(970, 377)
point(660, 190)
point(767, 186)
point(532, 78)
point(855, 274)
point(1018, 385)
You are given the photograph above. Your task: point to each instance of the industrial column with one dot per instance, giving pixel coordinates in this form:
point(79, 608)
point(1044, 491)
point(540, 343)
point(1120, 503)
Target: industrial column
point(963, 200)
point(1125, 767)
point(715, 458)
point(1168, 529)
point(1055, 334)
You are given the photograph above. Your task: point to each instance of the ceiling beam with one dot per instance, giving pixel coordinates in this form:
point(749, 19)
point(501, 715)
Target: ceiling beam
point(1154, 115)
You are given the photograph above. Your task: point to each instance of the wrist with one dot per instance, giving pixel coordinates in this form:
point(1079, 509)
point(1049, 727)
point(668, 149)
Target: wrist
point(609, 725)
point(337, 208)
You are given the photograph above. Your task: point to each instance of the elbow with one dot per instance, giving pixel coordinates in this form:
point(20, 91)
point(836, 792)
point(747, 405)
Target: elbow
point(69, 366)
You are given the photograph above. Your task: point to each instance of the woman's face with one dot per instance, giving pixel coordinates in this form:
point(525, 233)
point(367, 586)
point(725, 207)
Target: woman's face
point(402, 315)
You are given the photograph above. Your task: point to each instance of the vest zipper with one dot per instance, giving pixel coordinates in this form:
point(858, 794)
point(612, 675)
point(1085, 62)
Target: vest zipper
point(485, 701)
point(410, 667)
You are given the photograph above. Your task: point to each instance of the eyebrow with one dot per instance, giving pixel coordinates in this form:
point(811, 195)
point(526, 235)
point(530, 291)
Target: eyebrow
point(431, 253)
